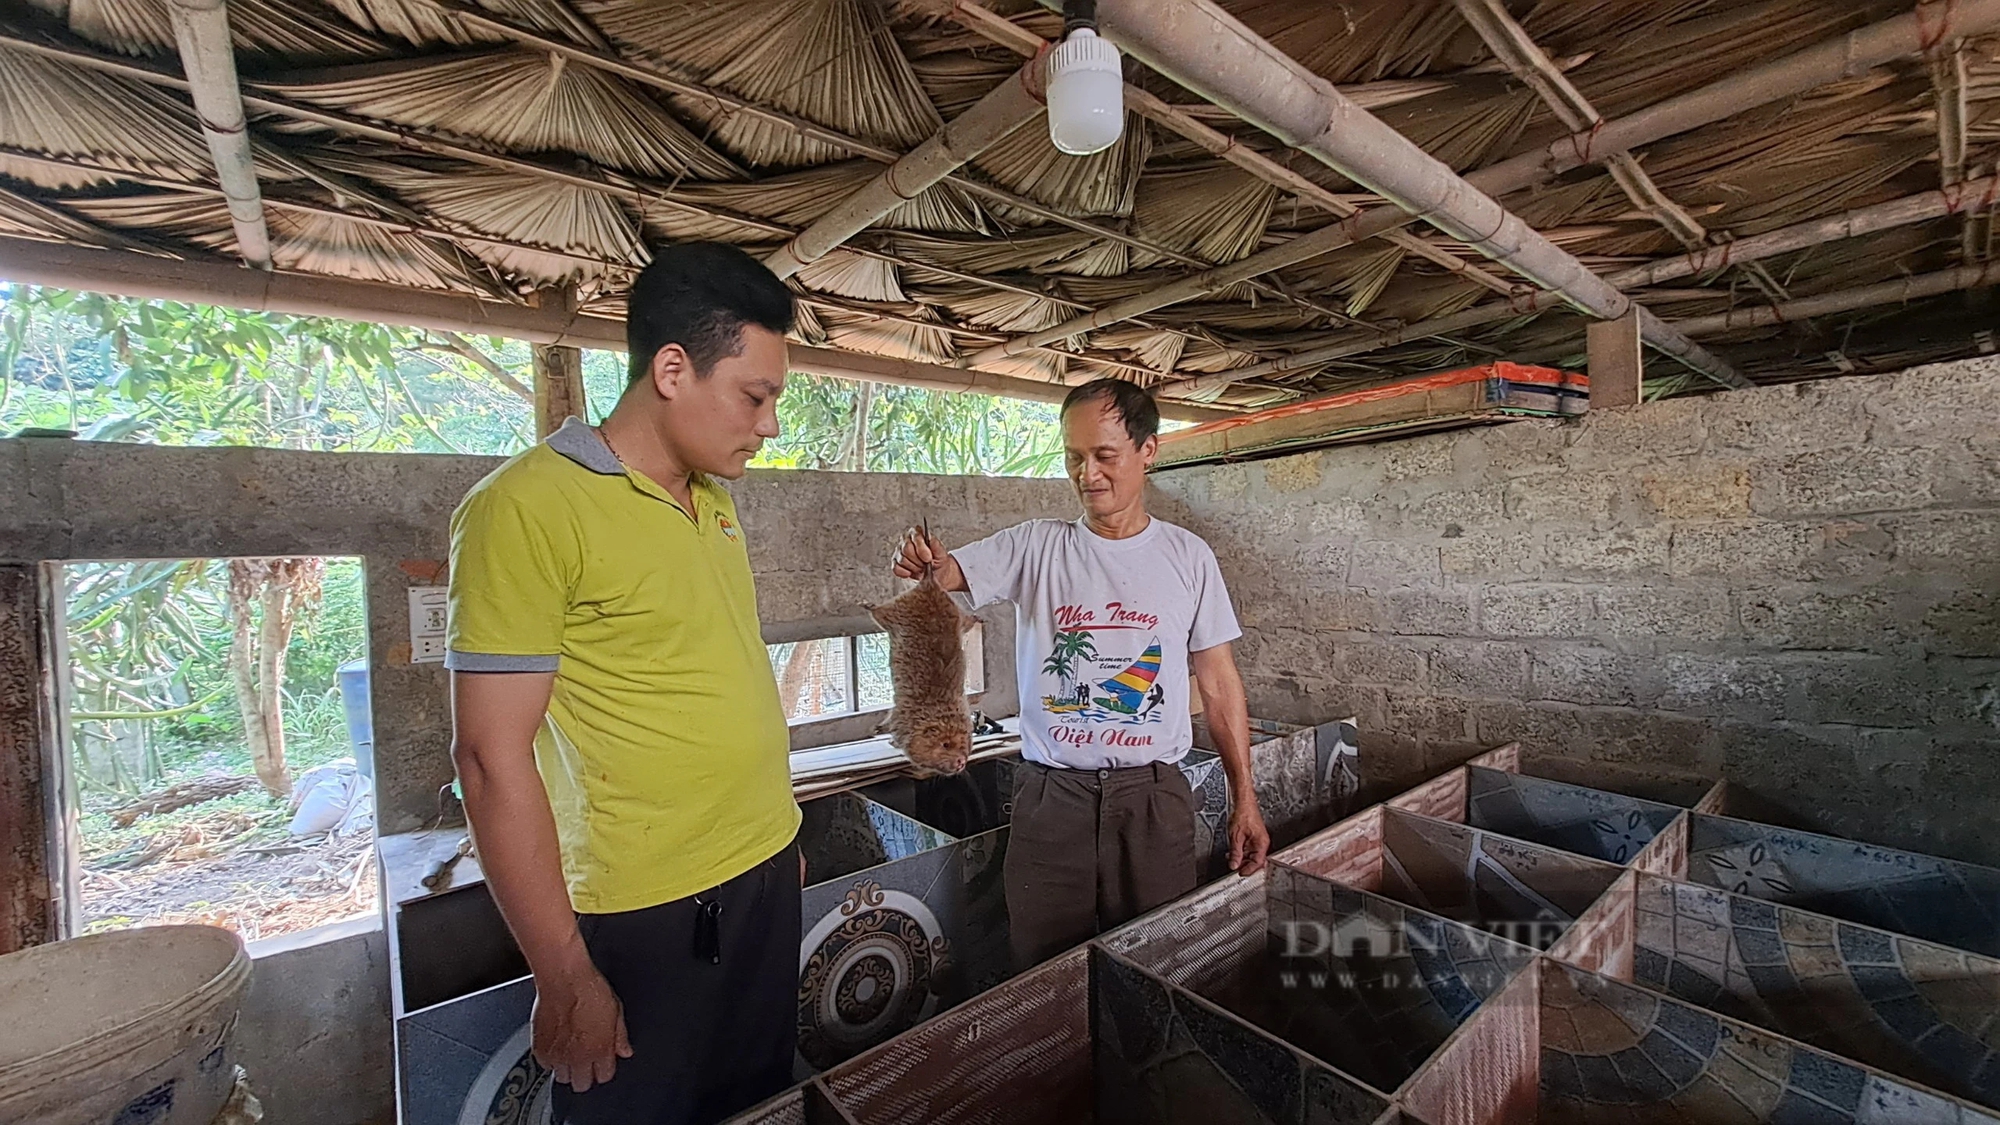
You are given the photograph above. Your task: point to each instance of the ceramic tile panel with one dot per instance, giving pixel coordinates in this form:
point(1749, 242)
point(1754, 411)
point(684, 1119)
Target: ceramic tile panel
point(1487, 1073)
point(1163, 1056)
point(469, 1059)
point(1442, 797)
point(1019, 1053)
point(1940, 900)
point(1532, 893)
point(1361, 982)
point(1616, 1052)
point(1667, 854)
point(1205, 776)
point(1192, 940)
point(1349, 852)
point(1601, 938)
point(1507, 758)
point(1921, 1011)
point(1590, 822)
point(846, 833)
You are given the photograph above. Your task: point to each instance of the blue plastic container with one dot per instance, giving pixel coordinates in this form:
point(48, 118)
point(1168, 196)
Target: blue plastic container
point(353, 679)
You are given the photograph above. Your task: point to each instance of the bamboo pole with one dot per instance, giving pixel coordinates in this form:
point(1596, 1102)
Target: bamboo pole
point(1896, 292)
point(1789, 76)
point(208, 58)
point(213, 282)
point(1006, 33)
point(1970, 198)
point(1197, 44)
point(1005, 108)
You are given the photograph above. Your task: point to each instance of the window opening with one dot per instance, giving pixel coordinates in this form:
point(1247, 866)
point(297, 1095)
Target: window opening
point(219, 742)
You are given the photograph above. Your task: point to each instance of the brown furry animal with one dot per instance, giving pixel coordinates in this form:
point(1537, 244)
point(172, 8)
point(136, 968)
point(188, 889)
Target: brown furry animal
point(931, 723)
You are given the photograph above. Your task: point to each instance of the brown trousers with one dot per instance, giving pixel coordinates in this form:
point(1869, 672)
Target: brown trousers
point(1091, 849)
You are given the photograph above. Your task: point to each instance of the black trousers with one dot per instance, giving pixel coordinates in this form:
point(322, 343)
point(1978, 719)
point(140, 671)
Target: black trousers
point(708, 1040)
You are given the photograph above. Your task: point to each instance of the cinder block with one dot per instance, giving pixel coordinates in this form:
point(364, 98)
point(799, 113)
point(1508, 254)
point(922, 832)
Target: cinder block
point(1593, 676)
point(1388, 563)
point(1962, 623)
point(1668, 428)
point(1947, 541)
point(1572, 500)
point(1749, 689)
point(1787, 419)
point(1421, 458)
point(1763, 549)
point(1480, 554)
point(1357, 660)
point(1479, 669)
point(1623, 550)
point(1854, 689)
point(1664, 612)
point(1533, 610)
point(1698, 488)
point(1802, 617)
point(1297, 473)
point(1431, 514)
point(1428, 613)
point(1842, 482)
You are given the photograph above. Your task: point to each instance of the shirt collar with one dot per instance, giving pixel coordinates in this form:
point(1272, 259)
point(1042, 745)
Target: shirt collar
point(580, 442)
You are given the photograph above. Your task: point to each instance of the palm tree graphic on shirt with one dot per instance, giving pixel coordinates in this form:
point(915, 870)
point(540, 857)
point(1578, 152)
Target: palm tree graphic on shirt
point(1072, 646)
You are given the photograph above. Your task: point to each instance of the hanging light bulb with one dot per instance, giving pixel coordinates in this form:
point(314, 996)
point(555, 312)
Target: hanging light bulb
point(1086, 85)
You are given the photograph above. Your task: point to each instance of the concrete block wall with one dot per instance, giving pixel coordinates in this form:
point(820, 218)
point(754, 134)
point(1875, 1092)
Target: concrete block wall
point(820, 545)
point(1797, 588)
point(315, 1026)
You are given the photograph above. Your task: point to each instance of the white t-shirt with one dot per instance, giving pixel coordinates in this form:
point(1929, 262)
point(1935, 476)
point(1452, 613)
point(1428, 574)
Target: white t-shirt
point(1103, 628)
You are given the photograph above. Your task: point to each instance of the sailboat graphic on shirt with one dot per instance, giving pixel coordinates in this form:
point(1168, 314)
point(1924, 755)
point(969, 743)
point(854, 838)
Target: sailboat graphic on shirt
point(1126, 692)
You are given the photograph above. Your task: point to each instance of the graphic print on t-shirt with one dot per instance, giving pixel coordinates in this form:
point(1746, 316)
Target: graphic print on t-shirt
point(1104, 667)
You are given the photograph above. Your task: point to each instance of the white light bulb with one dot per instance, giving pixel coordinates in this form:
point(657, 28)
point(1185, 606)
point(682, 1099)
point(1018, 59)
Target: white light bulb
point(1086, 92)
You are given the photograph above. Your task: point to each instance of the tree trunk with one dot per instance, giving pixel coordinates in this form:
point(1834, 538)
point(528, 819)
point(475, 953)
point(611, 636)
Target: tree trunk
point(245, 578)
point(854, 451)
point(792, 684)
point(281, 588)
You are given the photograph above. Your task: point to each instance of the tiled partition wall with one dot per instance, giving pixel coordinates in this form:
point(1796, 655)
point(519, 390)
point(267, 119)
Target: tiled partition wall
point(1493, 948)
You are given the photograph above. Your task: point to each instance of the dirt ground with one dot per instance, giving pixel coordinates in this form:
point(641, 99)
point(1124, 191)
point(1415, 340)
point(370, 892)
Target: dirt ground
point(225, 868)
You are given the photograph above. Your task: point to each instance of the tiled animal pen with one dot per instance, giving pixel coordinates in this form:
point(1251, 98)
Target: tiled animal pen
point(900, 920)
point(1372, 974)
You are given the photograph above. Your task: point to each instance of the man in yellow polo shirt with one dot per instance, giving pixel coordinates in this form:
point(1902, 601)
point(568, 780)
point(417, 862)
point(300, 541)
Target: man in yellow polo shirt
point(617, 730)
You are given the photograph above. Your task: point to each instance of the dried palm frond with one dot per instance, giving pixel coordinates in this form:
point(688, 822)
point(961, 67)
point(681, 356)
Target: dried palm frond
point(1368, 283)
point(423, 23)
point(62, 110)
point(1043, 367)
point(830, 61)
point(522, 101)
point(1024, 161)
point(307, 242)
point(1215, 213)
point(854, 275)
point(806, 326)
point(577, 222)
point(796, 199)
point(1476, 122)
point(1067, 252)
point(29, 218)
point(861, 333)
point(1362, 42)
point(257, 27)
point(988, 308)
point(1160, 351)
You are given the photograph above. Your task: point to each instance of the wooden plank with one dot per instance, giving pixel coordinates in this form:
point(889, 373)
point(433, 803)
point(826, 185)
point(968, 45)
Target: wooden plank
point(558, 386)
point(27, 890)
point(1617, 364)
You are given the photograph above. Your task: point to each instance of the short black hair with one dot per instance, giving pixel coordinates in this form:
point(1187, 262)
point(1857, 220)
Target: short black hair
point(1135, 408)
point(700, 295)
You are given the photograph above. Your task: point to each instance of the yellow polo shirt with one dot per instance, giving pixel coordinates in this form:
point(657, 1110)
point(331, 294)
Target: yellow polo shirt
point(665, 751)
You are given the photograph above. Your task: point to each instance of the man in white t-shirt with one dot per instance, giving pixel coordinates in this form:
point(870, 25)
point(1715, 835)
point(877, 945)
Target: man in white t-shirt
point(1113, 611)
